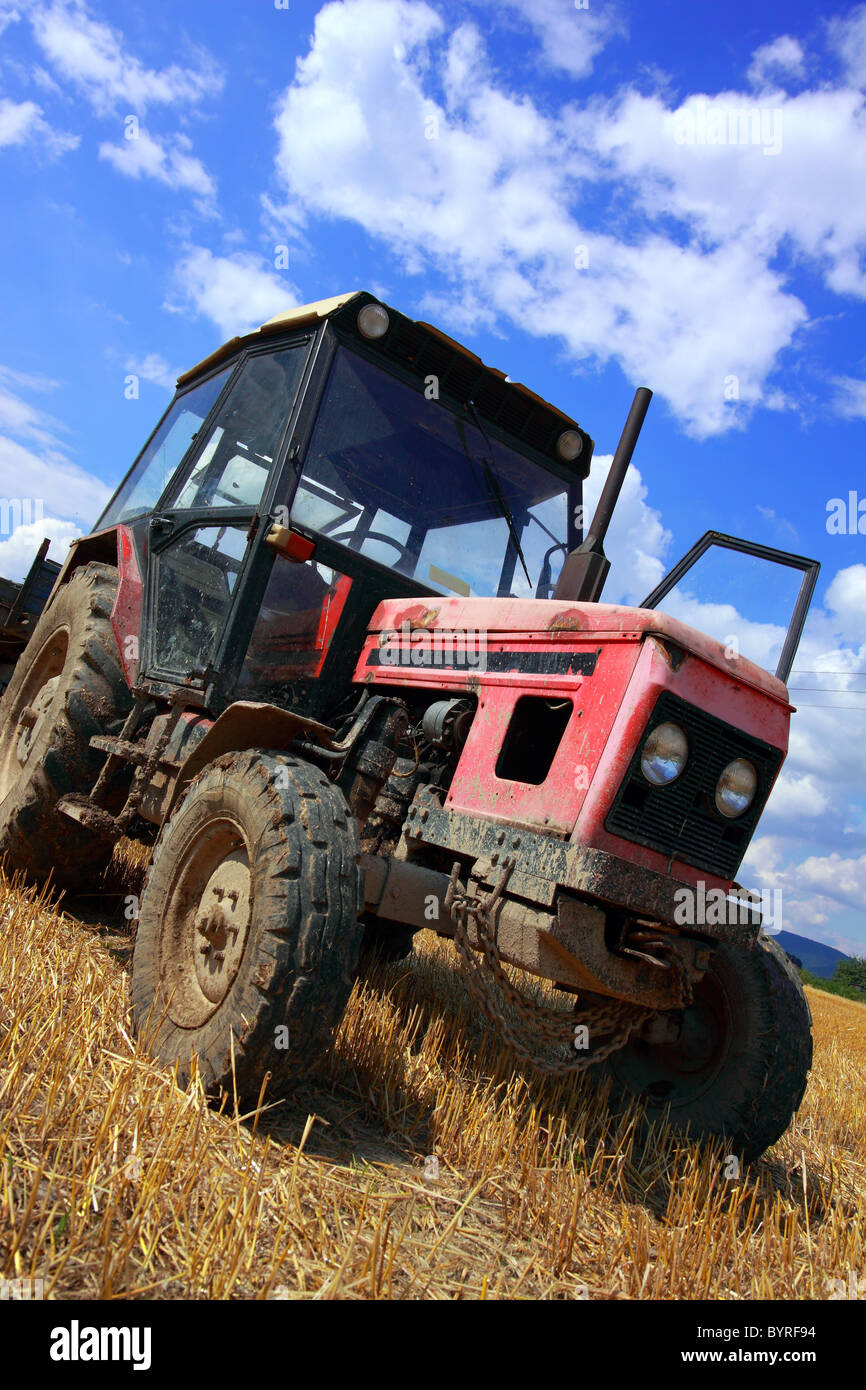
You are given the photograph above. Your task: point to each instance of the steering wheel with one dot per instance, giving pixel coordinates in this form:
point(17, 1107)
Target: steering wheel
point(347, 536)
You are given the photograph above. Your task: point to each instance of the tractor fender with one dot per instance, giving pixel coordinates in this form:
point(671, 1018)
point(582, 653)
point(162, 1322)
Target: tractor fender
point(113, 546)
point(246, 724)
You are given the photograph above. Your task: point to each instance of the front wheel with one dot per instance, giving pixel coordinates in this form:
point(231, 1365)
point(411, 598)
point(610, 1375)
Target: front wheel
point(248, 931)
point(739, 1065)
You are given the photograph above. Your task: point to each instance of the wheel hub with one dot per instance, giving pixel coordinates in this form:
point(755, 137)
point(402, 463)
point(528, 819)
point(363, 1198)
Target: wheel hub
point(221, 925)
point(31, 719)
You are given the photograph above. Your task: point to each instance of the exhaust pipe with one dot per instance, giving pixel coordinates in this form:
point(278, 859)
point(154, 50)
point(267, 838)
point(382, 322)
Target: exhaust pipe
point(586, 568)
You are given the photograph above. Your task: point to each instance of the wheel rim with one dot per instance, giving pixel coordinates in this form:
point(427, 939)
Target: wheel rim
point(679, 1073)
point(206, 923)
point(33, 710)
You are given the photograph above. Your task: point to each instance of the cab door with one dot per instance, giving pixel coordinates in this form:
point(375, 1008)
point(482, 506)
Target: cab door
point(202, 540)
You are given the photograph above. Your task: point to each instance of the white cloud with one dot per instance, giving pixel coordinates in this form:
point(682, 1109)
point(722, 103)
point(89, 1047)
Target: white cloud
point(732, 192)
point(9, 13)
point(23, 121)
point(797, 797)
point(21, 418)
point(495, 201)
point(92, 56)
point(49, 485)
point(636, 540)
point(782, 58)
point(236, 292)
point(847, 36)
point(169, 162)
point(154, 368)
point(570, 38)
point(835, 877)
point(850, 400)
point(846, 600)
point(41, 490)
point(18, 551)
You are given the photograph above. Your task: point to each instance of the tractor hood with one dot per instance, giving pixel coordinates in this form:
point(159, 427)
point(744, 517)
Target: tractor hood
point(551, 619)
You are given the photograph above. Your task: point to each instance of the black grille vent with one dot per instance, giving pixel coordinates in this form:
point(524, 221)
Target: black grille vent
point(681, 820)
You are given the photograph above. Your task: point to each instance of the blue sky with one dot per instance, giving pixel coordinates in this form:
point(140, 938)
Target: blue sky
point(592, 198)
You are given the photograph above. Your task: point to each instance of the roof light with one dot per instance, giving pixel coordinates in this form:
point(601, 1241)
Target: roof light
point(373, 321)
point(569, 445)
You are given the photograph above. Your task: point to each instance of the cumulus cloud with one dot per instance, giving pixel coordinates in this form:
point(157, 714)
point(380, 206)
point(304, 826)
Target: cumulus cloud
point(93, 57)
point(570, 38)
point(782, 58)
point(836, 877)
point(237, 293)
point(169, 161)
point(847, 35)
point(48, 485)
point(636, 541)
point(23, 121)
point(18, 550)
point(503, 198)
point(42, 493)
point(846, 600)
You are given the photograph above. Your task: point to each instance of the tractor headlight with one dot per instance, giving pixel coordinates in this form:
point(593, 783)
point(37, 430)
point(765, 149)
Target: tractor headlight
point(664, 755)
point(735, 789)
point(373, 321)
point(569, 446)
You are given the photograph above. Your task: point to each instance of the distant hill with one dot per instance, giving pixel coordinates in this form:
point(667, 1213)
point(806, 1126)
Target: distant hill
point(813, 955)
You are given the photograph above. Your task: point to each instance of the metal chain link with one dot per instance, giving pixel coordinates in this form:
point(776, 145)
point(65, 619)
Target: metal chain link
point(537, 1025)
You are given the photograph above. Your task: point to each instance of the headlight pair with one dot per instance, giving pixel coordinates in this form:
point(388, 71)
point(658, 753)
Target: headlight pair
point(665, 754)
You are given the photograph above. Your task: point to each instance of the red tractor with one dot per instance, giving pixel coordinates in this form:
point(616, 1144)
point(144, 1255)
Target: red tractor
point(335, 648)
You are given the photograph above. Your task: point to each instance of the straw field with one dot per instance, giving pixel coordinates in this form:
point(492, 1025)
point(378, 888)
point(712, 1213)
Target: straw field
point(415, 1164)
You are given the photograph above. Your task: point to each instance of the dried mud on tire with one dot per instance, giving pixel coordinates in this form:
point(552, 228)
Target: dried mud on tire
point(297, 966)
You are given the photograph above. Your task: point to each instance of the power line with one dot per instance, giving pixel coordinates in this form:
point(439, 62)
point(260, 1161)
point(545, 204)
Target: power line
point(810, 704)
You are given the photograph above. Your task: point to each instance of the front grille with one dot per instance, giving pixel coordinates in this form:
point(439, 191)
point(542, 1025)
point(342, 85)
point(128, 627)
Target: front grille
point(681, 820)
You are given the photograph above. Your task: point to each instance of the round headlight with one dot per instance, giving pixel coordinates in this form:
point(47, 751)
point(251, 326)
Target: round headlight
point(373, 321)
point(664, 755)
point(569, 445)
point(735, 789)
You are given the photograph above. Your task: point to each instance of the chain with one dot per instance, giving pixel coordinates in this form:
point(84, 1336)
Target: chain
point(537, 1026)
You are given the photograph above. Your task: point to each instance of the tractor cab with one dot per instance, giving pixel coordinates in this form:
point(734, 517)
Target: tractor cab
point(340, 456)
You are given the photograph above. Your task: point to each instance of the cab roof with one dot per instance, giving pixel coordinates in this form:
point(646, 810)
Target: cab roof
point(310, 314)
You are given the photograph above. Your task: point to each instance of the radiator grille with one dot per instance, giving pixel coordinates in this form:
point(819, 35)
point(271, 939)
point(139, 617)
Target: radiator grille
point(681, 820)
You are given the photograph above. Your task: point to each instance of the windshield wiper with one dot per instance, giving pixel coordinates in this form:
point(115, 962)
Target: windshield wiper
point(493, 485)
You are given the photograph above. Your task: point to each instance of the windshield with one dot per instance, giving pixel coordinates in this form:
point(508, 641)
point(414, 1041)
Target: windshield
point(230, 465)
point(403, 480)
point(149, 478)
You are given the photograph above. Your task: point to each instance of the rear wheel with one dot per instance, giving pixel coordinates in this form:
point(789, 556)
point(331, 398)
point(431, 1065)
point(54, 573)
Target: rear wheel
point(248, 933)
point(67, 686)
point(740, 1063)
